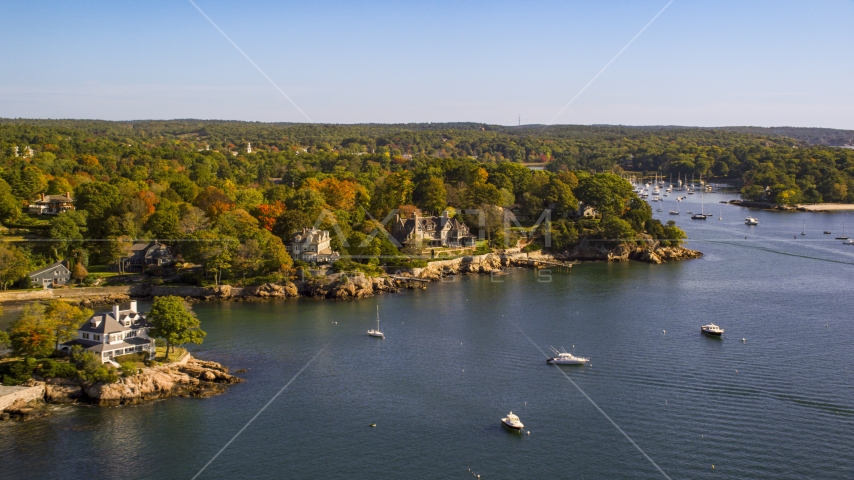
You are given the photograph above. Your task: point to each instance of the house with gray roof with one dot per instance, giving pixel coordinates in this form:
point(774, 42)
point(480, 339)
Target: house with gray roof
point(444, 231)
point(312, 245)
point(146, 254)
point(114, 333)
point(54, 275)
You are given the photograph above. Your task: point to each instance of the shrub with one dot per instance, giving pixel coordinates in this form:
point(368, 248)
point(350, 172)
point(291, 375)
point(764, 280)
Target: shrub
point(533, 247)
point(128, 368)
point(48, 368)
point(156, 281)
point(131, 357)
point(16, 373)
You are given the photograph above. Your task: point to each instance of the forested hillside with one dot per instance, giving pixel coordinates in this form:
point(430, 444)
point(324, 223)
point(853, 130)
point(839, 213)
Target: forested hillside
point(234, 192)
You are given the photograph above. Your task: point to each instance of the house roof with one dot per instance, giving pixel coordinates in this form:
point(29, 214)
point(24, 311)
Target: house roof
point(426, 225)
point(49, 268)
point(55, 198)
point(309, 236)
point(107, 324)
point(144, 248)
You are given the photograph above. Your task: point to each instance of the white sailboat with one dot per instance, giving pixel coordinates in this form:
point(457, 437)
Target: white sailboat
point(843, 237)
point(702, 215)
point(377, 333)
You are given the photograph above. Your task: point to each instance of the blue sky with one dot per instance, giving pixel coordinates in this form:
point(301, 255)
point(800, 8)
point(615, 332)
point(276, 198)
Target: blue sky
point(707, 63)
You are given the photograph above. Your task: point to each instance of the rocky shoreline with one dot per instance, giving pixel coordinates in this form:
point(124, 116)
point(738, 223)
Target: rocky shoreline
point(354, 285)
point(188, 378)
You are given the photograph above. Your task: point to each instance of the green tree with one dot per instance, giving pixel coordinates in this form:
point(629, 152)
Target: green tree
point(14, 265)
point(430, 195)
point(674, 236)
point(65, 319)
point(394, 191)
point(31, 335)
point(308, 201)
point(606, 192)
point(173, 321)
point(559, 196)
point(99, 200)
point(213, 251)
point(10, 207)
point(237, 223)
point(563, 235)
point(65, 234)
point(617, 230)
point(290, 222)
point(164, 224)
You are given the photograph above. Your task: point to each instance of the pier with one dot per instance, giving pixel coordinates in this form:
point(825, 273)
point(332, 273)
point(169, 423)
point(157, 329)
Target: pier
point(540, 263)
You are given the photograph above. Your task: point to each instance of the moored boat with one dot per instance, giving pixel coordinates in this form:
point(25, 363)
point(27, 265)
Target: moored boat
point(751, 221)
point(712, 329)
point(565, 358)
point(512, 422)
point(377, 333)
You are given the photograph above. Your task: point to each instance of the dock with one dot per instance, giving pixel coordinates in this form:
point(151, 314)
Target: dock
point(540, 263)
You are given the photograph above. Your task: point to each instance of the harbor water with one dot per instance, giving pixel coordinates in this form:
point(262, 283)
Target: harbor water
point(773, 398)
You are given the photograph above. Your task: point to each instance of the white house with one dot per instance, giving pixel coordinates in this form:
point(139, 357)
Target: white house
point(52, 204)
point(114, 333)
point(312, 245)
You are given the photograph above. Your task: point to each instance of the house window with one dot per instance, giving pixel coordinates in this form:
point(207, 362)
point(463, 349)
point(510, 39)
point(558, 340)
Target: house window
point(97, 337)
point(86, 336)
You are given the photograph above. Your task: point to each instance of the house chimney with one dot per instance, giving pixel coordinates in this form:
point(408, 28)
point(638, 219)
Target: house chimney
point(116, 312)
point(133, 305)
point(42, 196)
point(445, 214)
point(68, 195)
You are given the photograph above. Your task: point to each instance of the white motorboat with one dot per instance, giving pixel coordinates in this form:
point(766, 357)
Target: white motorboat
point(512, 422)
point(674, 212)
point(850, 241)
point(751, 221)
point(565, 358)
point(712, 329)
point(377, 333)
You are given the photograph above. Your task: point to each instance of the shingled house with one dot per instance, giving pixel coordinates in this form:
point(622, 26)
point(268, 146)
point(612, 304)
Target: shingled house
point(52, 204)
point(53, 275)
point(444, 231)
point(145, 254)
point(114, 333)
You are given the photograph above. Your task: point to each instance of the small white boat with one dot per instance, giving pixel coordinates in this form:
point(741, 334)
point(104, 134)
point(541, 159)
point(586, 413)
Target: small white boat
point(512, 422)
point(674, 212)
point(565, 358)
point(850, 241)
point(377, 333)
point(712, 329)
point(751, 221)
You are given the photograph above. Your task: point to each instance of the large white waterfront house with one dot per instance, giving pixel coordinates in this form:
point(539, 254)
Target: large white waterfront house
point(114, 333)
point(312, 245)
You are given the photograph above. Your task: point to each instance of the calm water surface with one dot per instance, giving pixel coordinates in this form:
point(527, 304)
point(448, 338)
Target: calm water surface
point(456, 359)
